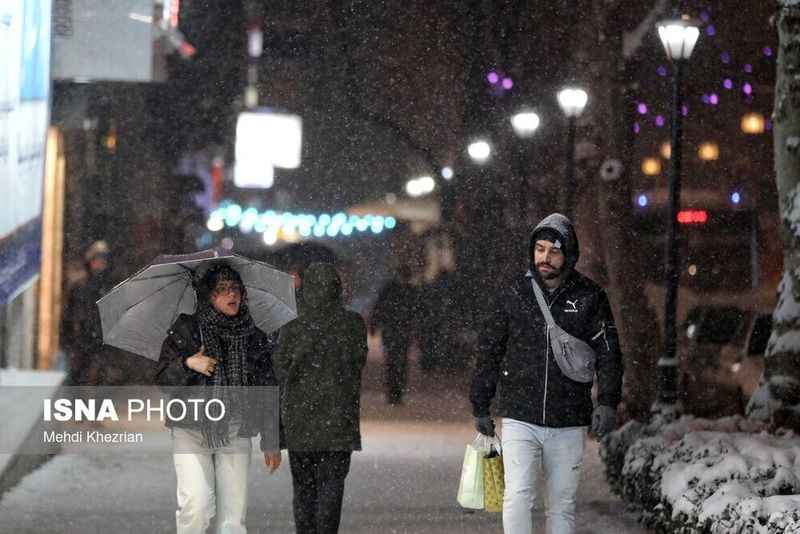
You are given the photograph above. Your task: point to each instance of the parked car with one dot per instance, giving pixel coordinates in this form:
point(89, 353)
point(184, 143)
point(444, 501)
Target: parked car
point(721, 357)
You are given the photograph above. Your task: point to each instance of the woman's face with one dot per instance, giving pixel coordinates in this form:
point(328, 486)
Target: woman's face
point(226, 297)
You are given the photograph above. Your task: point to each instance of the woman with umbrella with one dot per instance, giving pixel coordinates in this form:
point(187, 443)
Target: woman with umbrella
point(219, 348)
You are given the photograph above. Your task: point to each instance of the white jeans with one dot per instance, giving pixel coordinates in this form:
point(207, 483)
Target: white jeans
point(558, 452)
point(211, 482)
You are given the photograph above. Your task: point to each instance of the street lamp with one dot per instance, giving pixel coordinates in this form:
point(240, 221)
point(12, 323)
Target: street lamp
point(479, 150)
point(525, 124)
point(572, 100)
point(678, 37)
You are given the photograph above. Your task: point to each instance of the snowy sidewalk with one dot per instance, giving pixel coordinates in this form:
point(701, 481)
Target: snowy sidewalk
point(404, 481)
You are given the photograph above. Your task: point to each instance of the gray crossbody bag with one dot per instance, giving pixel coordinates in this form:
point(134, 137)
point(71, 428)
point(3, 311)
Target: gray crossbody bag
point(574, 357)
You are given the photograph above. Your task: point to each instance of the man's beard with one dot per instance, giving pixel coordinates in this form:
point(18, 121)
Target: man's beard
point(551, 275)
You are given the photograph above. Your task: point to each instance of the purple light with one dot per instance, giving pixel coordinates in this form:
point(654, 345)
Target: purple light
point(662, 70)
point(642, 108)
point(747, 88)
point(725, 57)
point(767, 50)
point(768, 124)
point(636, 127)
point(508, 83)
point(748, 68)
point(493, 78)
point(685, 111)
point(727, 83)
point(705, 98)
point(710, 30)
point(659, 120)
point(713, 99)
point(704, 15)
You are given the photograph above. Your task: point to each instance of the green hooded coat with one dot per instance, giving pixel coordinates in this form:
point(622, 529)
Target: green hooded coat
point(318, 362)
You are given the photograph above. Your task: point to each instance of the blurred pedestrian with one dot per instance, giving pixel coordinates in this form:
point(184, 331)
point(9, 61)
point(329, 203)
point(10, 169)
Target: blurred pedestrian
point(319, 361)
point(394, 316)
point(81, 333)
point(217, 348)
point(441, 321)
point(546, 414)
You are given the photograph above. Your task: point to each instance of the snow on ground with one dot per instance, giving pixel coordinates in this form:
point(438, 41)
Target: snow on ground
point(724, 475)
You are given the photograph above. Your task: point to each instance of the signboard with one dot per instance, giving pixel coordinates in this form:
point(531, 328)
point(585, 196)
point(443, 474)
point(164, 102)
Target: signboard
point(265, 140)
point(24, 107)
point(107, 40)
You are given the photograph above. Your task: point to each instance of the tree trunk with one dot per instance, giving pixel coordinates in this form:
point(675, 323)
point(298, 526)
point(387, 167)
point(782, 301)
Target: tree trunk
point(778, 395)
point(638, 326)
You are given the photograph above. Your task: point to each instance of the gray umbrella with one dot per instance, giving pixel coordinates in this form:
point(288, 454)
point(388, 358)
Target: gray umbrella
point(137, 313)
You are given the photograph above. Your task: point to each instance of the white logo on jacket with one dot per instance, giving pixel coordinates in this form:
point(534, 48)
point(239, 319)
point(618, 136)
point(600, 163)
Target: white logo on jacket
point(574, 306)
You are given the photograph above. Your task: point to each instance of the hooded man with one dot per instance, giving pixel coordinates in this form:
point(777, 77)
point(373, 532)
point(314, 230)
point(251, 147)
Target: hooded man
point(545, 414)
point(319, 361)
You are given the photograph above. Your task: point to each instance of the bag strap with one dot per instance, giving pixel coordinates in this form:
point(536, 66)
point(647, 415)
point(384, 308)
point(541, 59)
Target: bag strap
point(542, 304)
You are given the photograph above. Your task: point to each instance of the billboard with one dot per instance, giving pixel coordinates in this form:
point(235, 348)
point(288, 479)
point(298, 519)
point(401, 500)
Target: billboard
point(24, 108)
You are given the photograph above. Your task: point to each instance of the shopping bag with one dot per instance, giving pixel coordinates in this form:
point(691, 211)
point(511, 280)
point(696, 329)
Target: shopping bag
point(470, 488)
point(493, 479)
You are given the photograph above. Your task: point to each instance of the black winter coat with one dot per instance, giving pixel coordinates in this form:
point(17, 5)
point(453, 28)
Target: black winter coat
point(513, 350)
point(183, 340)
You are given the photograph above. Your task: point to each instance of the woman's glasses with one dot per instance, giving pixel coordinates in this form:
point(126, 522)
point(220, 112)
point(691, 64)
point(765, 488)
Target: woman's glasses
point(226, 289)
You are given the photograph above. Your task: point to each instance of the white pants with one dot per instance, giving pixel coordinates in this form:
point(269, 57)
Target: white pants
point(558, 452)
point(211, 482)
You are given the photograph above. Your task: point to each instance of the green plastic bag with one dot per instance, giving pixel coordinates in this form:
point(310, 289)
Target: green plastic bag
point(470, 488)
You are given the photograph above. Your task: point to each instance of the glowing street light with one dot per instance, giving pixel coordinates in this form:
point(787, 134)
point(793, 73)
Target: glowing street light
point(525, 124)
point(479, 150)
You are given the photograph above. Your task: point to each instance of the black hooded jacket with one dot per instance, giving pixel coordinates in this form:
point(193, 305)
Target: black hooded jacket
point(513, 350)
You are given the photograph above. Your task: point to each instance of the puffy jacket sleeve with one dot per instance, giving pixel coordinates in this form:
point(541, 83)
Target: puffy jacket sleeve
point(171, 369)
point(605, 342)
point(490, 350)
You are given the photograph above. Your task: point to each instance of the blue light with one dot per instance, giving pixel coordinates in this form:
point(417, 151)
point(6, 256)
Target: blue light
point(324, 219)
point(333, 231)
point(305, 231)
point(319, 230)
point(362, 225)
point(377, 224)
point(347, 229)
point(642, 200)
point(736, 197)
point(390, 223)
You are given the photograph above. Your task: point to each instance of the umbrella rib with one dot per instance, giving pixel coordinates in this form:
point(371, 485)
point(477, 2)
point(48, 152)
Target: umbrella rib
point(178, 307)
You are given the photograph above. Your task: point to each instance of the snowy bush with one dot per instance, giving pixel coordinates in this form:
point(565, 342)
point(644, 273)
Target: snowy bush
point(701, 475)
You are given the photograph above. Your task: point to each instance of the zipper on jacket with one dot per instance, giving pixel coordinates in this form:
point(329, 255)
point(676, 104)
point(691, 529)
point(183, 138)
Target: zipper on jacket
point(546, 372)
point(547, 360)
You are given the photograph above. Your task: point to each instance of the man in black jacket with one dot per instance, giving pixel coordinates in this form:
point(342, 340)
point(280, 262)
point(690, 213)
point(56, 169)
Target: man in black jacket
point(546, 415)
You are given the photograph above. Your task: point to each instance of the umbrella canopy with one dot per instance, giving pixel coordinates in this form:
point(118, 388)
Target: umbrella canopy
point(137, 313)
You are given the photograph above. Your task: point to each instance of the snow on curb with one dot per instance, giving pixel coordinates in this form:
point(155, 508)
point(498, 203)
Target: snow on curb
point(702, 475)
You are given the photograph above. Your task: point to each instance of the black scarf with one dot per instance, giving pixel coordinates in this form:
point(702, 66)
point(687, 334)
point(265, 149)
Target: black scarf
point(226, 339)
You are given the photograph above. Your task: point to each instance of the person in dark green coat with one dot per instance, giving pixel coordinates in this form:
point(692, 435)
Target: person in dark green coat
point(318, 362)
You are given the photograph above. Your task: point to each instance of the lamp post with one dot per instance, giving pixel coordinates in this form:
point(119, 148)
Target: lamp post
point(679, 38)
point(525, 123)
point(572, 100)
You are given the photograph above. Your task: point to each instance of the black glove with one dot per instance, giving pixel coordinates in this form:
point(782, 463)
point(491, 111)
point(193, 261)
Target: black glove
point(604, 420)
point(485, 426)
